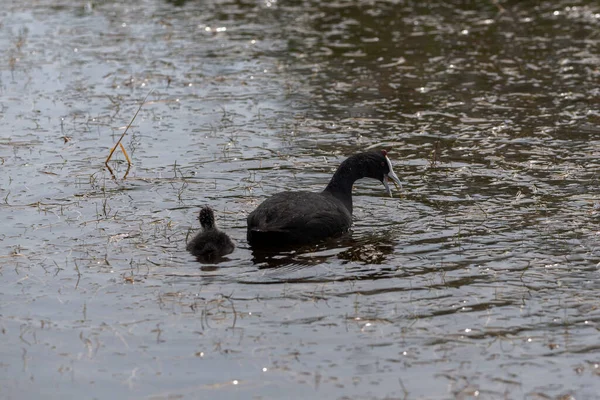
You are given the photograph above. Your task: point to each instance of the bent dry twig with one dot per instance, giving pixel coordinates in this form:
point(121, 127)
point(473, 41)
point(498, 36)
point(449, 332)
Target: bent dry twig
point(120, 144)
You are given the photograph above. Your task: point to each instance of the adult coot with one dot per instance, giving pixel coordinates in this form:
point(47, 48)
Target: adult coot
point(211, 244)
point(293, 218)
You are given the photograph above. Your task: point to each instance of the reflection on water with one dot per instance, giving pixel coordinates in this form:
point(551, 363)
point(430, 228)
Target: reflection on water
point(368, 250)
point(480, 280)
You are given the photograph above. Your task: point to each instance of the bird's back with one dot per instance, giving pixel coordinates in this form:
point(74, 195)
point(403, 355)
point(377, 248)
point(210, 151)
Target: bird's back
point(297, 217)
point(210, 245)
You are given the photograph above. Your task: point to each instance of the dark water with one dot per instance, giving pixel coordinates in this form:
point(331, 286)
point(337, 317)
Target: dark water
point(478, 280)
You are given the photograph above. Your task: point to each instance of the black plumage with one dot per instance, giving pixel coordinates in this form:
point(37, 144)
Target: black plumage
point(211, 244)
point(301, 217)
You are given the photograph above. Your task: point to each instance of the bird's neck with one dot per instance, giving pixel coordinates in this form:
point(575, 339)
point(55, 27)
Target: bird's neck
point(340, 185)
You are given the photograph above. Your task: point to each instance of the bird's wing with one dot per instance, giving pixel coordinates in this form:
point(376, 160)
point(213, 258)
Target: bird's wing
point(297, 211)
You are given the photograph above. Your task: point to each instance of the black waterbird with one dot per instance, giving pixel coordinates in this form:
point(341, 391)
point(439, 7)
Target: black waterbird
point(301, 217)
point(211, 244)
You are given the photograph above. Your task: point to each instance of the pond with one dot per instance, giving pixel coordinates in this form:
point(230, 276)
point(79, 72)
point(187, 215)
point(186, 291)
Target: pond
point(477, 280)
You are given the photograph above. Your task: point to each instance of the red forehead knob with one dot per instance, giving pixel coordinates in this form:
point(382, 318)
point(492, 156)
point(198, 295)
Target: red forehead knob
point(384, 153)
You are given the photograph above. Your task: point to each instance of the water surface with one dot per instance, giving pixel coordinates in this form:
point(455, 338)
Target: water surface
point(478, 280)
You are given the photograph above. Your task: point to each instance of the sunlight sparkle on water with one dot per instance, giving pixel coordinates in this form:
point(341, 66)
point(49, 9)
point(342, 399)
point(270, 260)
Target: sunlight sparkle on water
point(219, 29)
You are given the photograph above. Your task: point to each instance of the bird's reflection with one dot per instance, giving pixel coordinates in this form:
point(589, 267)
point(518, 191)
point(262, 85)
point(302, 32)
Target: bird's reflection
point(372, 249)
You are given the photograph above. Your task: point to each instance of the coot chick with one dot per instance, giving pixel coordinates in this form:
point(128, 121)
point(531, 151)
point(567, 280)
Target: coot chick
point(211, 244)
point(301, 217)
